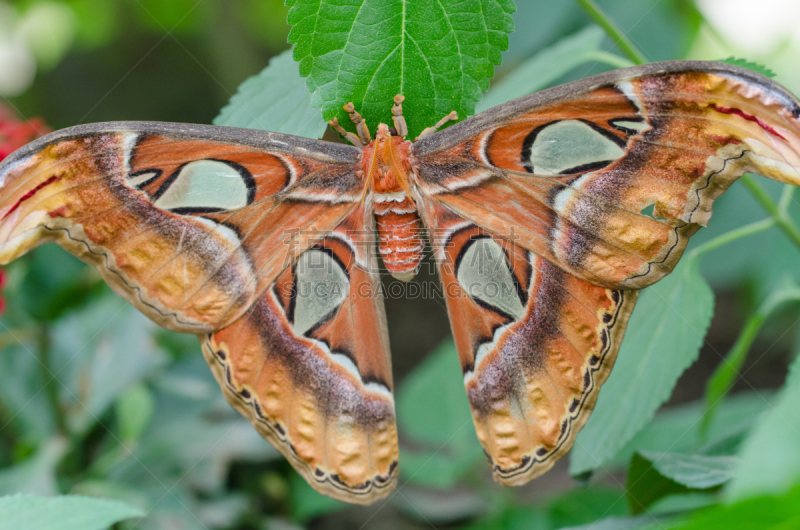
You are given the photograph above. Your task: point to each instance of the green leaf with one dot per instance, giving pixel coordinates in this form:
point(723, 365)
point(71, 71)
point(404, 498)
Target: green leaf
point(99, 353)
point(761, 513)
point(584, 505)
point(134, 411)
point(663, 30)
point(684, 502)
point(750, 65)
point(56, 281)
point(440, 507)
point(676, 429)
point(726, 374)
point(770, 456)
point(513, 518)
point(36, 474)
point(27, 411)
point(693, 471)
point(196, 438)
point(274, 100)
point(307, 503)
point(440, 55)
point(436, 380)
point(653, 476)
point(442, 444)
point(62, 513)
point(664, 337)
point(544, 68)
point(617, 523)
point(645, 485)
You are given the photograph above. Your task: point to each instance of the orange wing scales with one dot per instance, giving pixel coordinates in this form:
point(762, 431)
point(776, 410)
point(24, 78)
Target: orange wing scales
point(318, 384)
point(168, 220)
point(535, 344)
point(573, 172)
point(544, 197)
point(264, 245)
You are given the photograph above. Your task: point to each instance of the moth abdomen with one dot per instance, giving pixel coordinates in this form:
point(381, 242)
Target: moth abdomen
point(399, 236)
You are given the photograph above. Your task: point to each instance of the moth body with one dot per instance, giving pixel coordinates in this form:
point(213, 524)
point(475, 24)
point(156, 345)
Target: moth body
point(388, 174)
point(262, 244)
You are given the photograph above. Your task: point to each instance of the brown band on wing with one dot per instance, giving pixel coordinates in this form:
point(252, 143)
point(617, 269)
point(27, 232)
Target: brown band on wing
point(507, 145)
point(532, 374)
point(320, 393)
point(536, 391)
point(167, 156)
point(93, 214)
point(670, 141)
point(187, 242)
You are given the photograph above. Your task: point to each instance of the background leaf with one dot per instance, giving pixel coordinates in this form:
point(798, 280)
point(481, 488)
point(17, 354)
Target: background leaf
point(776, 513)
point(99, 354)
point(62, 513)
point(663, 30)
point(727, 373)
point(544, 68)
point(664, 337)
point(439, 55)
point(645, 485)
point(134, 411)
point(441, 444)
point(744, 63)
point(36, 474)
point(770, 457)
point(274, 100)
point(616, 523)
point(693, 471)
point(676, 429)
point(652, 476)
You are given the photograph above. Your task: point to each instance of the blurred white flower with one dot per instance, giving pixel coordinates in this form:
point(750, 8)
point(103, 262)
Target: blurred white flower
point(40, 36)
point(766, 31)
point(757, 27)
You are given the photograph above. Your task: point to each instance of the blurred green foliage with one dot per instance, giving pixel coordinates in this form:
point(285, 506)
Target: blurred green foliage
point(96, 400)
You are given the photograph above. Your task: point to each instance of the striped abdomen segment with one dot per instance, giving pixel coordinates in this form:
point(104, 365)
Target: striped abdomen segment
point(399, 234)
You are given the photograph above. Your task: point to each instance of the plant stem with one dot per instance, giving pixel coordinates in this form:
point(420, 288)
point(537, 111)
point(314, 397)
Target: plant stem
point(733, 235)
point(619, 38)
point(50, 383)
point(778, 213)
point(16, 336)
point(723, 378)
point(786, 199)
point(610, 59)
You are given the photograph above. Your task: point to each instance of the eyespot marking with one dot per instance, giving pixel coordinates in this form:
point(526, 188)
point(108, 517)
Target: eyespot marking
point(206, 186)
point(569, 146)
point(321, 286)
point(484, 273)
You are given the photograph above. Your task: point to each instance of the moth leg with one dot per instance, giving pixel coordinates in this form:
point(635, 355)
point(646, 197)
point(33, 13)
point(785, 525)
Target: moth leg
point(397, 116)
point(453, 116)
point(361, 125)
point(352, 138)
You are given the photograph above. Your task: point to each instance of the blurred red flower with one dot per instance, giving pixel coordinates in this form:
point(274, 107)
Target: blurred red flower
point(15, 133)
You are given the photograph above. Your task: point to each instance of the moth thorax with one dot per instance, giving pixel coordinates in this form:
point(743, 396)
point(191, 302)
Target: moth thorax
point(399, 234)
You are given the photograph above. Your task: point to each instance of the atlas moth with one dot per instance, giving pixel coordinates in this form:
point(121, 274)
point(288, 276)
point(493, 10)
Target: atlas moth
point(533, 210)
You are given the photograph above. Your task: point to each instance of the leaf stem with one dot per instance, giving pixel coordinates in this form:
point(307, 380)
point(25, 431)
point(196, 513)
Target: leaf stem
point(786, 199)
point(778, 212)
point(609, 58)
point(43, 344)
point(724, 377)
point(619, 38)
point(18, 335)
point(733, 235)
